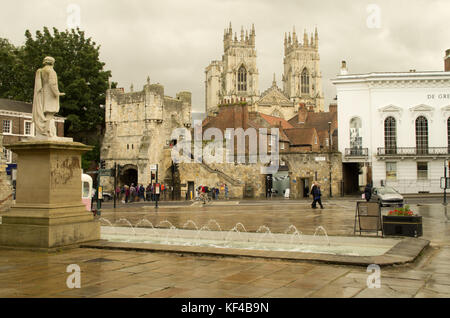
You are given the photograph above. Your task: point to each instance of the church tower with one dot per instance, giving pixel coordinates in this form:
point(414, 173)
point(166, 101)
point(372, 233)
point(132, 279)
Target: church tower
point(235, 78)
point(302, 79)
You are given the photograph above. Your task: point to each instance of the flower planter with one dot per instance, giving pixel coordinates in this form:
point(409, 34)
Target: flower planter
point(402, 225)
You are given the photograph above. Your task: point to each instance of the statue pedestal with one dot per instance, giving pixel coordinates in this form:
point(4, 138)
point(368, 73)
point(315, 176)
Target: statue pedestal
point(48, 212)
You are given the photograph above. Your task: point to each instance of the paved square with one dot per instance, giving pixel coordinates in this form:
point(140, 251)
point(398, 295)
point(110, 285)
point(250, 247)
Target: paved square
point(117, 273)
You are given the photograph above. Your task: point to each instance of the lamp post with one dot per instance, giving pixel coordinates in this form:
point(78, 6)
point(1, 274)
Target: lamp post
point(445, 183)
point(329, 152)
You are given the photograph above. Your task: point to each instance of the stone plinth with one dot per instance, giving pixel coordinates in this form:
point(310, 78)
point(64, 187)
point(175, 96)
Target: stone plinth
point(48, 212)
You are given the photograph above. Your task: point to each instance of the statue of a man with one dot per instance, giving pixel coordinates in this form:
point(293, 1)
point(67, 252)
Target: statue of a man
point(46, 99)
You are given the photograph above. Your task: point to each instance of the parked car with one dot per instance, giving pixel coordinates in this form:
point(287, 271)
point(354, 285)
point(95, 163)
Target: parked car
point(387, 196)
point(107, 196)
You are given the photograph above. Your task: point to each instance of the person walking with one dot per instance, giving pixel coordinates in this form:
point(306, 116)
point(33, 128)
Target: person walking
point(132, 193)
point(117, 193)
point(127, 194)
point(368, 192)
point(204, 194)
point(317, 194)
point(148, 192)
point(226, 191)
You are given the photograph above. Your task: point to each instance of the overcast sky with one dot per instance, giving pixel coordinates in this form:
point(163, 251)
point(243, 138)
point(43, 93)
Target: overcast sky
point(173, 41)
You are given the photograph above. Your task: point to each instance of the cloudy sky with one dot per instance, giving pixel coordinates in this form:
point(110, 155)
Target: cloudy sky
point(173, 41)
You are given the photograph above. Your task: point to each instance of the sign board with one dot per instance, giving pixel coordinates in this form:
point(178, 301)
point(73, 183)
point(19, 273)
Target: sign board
point(153, 167)
point(100, 193)
point(156, 188)
point(367, 217)
point(320, 158)
point(106, 172)
point(445, 183)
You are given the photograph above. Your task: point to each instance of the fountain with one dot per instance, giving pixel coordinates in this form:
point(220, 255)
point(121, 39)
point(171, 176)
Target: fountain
point(321, 228)
point(263, 239)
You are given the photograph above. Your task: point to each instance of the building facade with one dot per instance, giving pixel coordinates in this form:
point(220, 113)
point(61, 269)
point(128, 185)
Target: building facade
point(16, 123)
point(394, 128)
point(235, 77)
point(138, 131)
point(304, 152)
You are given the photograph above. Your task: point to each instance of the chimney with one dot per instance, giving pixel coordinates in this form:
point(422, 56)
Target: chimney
point(332, 108)
point(447, 61)
point(344, 70)
point(302, 113)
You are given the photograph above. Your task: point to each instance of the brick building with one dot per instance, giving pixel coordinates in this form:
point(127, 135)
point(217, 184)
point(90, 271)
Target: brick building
point(16, 123)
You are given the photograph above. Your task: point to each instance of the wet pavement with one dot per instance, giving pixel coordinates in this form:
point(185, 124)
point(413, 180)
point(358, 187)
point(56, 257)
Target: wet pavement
point(108, 273)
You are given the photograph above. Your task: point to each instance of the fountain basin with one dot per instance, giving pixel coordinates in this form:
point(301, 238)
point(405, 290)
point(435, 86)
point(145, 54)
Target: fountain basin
point(339, 249)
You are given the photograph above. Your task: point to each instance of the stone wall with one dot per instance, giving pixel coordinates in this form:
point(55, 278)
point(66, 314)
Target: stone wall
point(139, 127)
point(247, 180)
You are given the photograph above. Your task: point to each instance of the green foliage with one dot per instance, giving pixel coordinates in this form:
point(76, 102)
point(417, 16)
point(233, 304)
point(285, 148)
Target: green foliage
point(88, 157)
point(81, 76)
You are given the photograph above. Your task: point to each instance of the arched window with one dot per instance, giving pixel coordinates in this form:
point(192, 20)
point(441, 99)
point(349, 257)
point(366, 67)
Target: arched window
point(421, 135)
point(305, 81)
point(390, 135)
point(242, 79)
point(356, 136)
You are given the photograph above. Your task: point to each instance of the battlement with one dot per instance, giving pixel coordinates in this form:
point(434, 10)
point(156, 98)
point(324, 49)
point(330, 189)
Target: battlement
point(246, 40)
point(291, 43)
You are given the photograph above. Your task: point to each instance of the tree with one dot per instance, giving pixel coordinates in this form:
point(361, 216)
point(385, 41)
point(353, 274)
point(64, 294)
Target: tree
point(81, 76)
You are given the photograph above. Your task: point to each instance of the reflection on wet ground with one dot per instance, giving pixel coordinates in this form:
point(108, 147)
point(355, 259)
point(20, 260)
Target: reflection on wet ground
point(107, 273)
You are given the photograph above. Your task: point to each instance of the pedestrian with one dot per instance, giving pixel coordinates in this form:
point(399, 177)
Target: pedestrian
point(317, 197)
point(127, 194)
point(204, 194)
point(117, 193)
point(226, 191)
point(368, 192)
point(197, 192)
point(132, 193)
point(217, 193)
point(313, 190)
point(148, 192)
point(142, 192)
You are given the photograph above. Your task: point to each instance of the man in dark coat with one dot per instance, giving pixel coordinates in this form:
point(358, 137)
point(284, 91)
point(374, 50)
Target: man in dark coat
point(317, 194)
point(368, 192)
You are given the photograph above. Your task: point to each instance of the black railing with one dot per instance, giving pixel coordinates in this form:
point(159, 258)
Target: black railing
point(356, 152)
point(414, 151)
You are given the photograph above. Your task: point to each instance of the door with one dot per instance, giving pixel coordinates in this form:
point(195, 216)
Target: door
point(191, 194)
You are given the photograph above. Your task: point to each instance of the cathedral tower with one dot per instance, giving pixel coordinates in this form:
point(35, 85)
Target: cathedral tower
point(236, 76)
point(302, 79)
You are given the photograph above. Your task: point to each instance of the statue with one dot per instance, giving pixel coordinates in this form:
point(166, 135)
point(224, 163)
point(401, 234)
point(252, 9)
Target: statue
point(46, 99)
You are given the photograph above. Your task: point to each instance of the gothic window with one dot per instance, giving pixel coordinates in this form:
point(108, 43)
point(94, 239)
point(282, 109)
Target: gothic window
point(305, 81)
point(421, 135)
point(390, 135)
point(356, 136)
point(242, 79)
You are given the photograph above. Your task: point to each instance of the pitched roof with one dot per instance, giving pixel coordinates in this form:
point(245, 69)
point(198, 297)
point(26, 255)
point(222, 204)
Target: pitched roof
point(300, 136)
point(274, 121)
point(16, 106)
point(315, 120)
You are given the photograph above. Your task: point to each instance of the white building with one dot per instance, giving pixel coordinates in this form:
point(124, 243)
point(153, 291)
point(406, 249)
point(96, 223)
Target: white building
point(394, 128)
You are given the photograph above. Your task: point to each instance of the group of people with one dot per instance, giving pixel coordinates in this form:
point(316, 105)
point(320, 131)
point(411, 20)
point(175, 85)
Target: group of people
point(136, 193)
point(205, 193)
